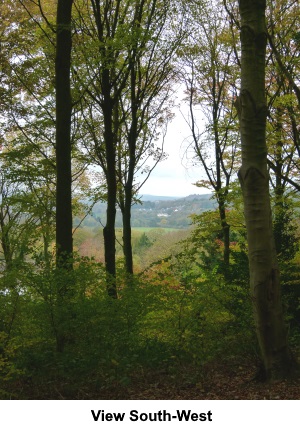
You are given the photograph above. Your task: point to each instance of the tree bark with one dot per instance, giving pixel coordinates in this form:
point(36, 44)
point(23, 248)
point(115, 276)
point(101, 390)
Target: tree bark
point(5, 243)
point(128, 188)
point(109, 232)
point(225, 233)
point(126, 215)
point(254, 179)
point(64, 241)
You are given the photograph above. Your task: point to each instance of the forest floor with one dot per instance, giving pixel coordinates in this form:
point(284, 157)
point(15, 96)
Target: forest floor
point(230, 380)
point(219, 381)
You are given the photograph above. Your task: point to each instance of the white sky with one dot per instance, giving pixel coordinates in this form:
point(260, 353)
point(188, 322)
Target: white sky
point(172, 177)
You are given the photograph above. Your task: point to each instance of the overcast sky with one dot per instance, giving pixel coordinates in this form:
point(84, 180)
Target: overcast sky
point(172, 177)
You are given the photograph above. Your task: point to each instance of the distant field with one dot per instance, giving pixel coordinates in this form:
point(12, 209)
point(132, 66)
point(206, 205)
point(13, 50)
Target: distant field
point(92, 232)
point(166, 229)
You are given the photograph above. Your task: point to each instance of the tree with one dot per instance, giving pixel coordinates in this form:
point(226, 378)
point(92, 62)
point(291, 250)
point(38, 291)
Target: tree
point(101, 76)
point(29, 118)
point(17, 226)
point(33, 179)
point(64, 240)
point(107, 35)
point(210, 79)
point(254, 179)
point(126, 86)
point(27, 115)
point(17, 239)
point(63, 151)
point(144, 108)
point(285, 43)
point(283, 67)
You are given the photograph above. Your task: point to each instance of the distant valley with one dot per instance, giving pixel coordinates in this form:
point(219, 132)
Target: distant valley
point(156, 211)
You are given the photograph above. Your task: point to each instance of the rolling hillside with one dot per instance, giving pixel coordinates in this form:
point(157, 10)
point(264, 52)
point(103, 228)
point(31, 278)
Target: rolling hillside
point(157, 211)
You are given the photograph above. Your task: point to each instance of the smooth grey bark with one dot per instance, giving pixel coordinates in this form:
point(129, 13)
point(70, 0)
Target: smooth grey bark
point(254, 179)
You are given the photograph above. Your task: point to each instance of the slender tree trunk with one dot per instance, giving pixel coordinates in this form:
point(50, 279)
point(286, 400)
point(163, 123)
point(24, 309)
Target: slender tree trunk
point(132, 138)
point(225, 235)
point(128, 188)
point(254, 179)
point(109, 232)
point(125, 202)
point(110, 236)
point(64, 242)
point(127, 245)
point(5, 243)
point(279, 159)
point(279, 186)
point(221, 193)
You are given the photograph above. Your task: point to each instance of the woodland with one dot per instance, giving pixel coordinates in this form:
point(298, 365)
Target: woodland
point(104, 295)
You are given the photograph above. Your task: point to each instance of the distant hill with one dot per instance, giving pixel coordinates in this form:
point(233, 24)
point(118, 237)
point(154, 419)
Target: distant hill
point(192, 197)
point(151, 198)
point(157, 211)
point(172, 212)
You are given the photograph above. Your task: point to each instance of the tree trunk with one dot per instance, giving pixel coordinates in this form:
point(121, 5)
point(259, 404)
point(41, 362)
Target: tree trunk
point(254, 179)
point(225, 233)
point(221, 192)
point(109, 232)
point(128, 189)
point(127, 245)
point(5, 243)
point(64, 242)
